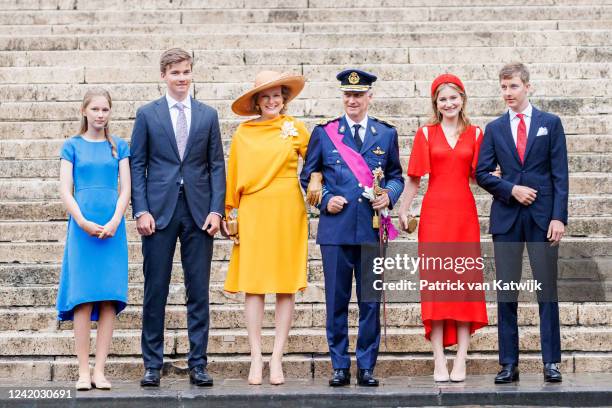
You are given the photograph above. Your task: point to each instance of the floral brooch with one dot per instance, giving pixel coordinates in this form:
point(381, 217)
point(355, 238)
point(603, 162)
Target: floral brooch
point(288, 129)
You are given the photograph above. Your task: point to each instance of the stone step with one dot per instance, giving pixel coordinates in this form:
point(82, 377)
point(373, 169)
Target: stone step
point(38, 189)
point(246, 15)
point(251, 4)
point(313, 90)
point(16, 275)
point(295, 366)
point(301, 340)
point(49, 168)
point(599, 125)
point(469, 55)
point(305, 315)
point(306, 40)
point(47, 231)
point(580, 147)
point(45, 252)
point(570, 290)
point(406, 107)
point(285, 60)
point(52, 210)
point(311, 27)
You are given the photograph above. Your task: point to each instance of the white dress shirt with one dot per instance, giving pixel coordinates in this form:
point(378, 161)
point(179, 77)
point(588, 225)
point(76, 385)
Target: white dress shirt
point(362, 129)
point(514, 120)
point(174, 112)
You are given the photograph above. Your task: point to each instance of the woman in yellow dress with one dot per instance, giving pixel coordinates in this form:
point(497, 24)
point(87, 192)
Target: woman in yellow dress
point(271, 247)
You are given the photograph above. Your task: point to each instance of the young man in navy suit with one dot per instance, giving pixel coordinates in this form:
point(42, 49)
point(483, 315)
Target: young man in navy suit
point(345, 223)
point(529, 206)
point(178, 191)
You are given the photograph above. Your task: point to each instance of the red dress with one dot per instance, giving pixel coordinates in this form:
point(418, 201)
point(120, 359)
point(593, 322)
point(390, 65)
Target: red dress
point(448, 215)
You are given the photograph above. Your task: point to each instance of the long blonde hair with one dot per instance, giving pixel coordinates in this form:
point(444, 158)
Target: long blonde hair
point(464, 121)
point(89, 95)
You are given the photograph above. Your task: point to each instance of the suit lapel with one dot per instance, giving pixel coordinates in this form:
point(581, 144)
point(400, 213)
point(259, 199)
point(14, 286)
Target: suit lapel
point(163, 114)
point(507, 135)
point(371, 135)
point(196, 115)
point(347, 139)
point(533, 128)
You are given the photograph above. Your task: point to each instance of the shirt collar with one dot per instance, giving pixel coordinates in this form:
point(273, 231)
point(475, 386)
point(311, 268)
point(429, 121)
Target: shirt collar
point(363, 123)
point(171, 101)
point(527, 112)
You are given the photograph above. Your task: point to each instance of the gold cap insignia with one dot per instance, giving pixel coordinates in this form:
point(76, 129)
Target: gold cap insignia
point(353, 78)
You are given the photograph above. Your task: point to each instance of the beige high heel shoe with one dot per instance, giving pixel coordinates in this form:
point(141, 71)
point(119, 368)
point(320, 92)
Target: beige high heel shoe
point(441, 376)
point(458, 372)
point(102, 384)
point(83, 385)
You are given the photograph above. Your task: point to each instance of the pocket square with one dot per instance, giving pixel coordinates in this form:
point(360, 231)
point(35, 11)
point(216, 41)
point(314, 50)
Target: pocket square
point(542, 131)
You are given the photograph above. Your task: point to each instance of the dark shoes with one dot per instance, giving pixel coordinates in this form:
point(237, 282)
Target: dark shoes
point(552, 373)
point(200, 377)
point(340, 377)
point(508, 374)
point(150, 378)
point(366, 378)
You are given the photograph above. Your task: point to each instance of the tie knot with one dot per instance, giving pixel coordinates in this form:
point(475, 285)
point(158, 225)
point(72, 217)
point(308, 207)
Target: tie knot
point(180, 106)
point(356, 127)
point(520, 115)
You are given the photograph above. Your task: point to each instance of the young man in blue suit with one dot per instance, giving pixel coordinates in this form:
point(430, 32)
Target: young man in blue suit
point(529, 206)
point(178, 191)
point(345, 221)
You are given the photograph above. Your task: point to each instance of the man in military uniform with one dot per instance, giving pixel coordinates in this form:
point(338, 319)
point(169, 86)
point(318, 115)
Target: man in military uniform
point(346, 150)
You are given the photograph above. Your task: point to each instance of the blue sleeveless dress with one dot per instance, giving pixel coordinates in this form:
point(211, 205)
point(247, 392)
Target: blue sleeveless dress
point(93, 269)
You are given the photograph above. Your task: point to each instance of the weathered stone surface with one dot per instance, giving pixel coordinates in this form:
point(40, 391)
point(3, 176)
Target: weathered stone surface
point(54, 50)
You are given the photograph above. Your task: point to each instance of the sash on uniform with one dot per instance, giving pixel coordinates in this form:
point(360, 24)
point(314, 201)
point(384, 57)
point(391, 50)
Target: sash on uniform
point(360, 169)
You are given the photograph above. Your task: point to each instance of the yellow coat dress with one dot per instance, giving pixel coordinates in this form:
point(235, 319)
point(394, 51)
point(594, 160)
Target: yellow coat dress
point(263, 185)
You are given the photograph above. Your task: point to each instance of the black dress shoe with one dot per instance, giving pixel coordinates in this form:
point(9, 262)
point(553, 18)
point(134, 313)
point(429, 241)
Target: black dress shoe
point(509, 373)
point(200, 377)
point(150, 378)
point(366, 378)
point(552, 373)
point(341, 376)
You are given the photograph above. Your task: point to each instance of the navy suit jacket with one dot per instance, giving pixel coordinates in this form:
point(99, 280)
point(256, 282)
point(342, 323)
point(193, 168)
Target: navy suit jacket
point(352, 225)
point(545, 169)
point(157, 169)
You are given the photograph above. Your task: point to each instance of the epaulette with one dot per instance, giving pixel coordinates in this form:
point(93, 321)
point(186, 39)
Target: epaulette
point(326, 121)
point(385, 122)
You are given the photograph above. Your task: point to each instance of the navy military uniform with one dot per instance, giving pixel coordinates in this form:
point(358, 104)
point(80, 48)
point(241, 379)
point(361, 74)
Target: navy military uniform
point(342, 235)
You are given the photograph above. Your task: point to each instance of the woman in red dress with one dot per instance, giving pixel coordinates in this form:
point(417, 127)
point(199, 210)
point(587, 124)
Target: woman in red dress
point(447, 150)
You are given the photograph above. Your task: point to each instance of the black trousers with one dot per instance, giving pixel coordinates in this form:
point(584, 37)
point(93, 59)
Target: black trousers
point(543, 258)
point(196, 255)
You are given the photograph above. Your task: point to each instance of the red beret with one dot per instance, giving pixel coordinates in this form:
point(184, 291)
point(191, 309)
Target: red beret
point(446, 79)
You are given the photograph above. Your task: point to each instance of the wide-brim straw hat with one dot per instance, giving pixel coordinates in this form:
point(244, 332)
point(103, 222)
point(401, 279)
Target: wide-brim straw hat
point(268, 79)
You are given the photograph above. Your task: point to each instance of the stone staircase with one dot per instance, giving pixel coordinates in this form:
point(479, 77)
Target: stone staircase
point(51, 51)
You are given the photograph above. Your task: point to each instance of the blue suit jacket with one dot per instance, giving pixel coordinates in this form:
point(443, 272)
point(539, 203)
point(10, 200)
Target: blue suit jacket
point(545, 169)
point(352, 225)
point(157, 168)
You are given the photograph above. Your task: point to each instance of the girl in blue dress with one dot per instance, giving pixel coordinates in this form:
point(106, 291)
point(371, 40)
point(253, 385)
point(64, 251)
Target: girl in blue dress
point(95, 188)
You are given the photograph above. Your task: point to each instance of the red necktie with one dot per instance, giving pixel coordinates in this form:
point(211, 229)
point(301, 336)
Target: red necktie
point(521, 137)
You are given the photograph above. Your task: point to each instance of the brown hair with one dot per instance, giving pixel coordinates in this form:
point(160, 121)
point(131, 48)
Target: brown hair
point(89, 95)
point(173, 56)
point(464, 121)
point(284, 92)
point(513, 68)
